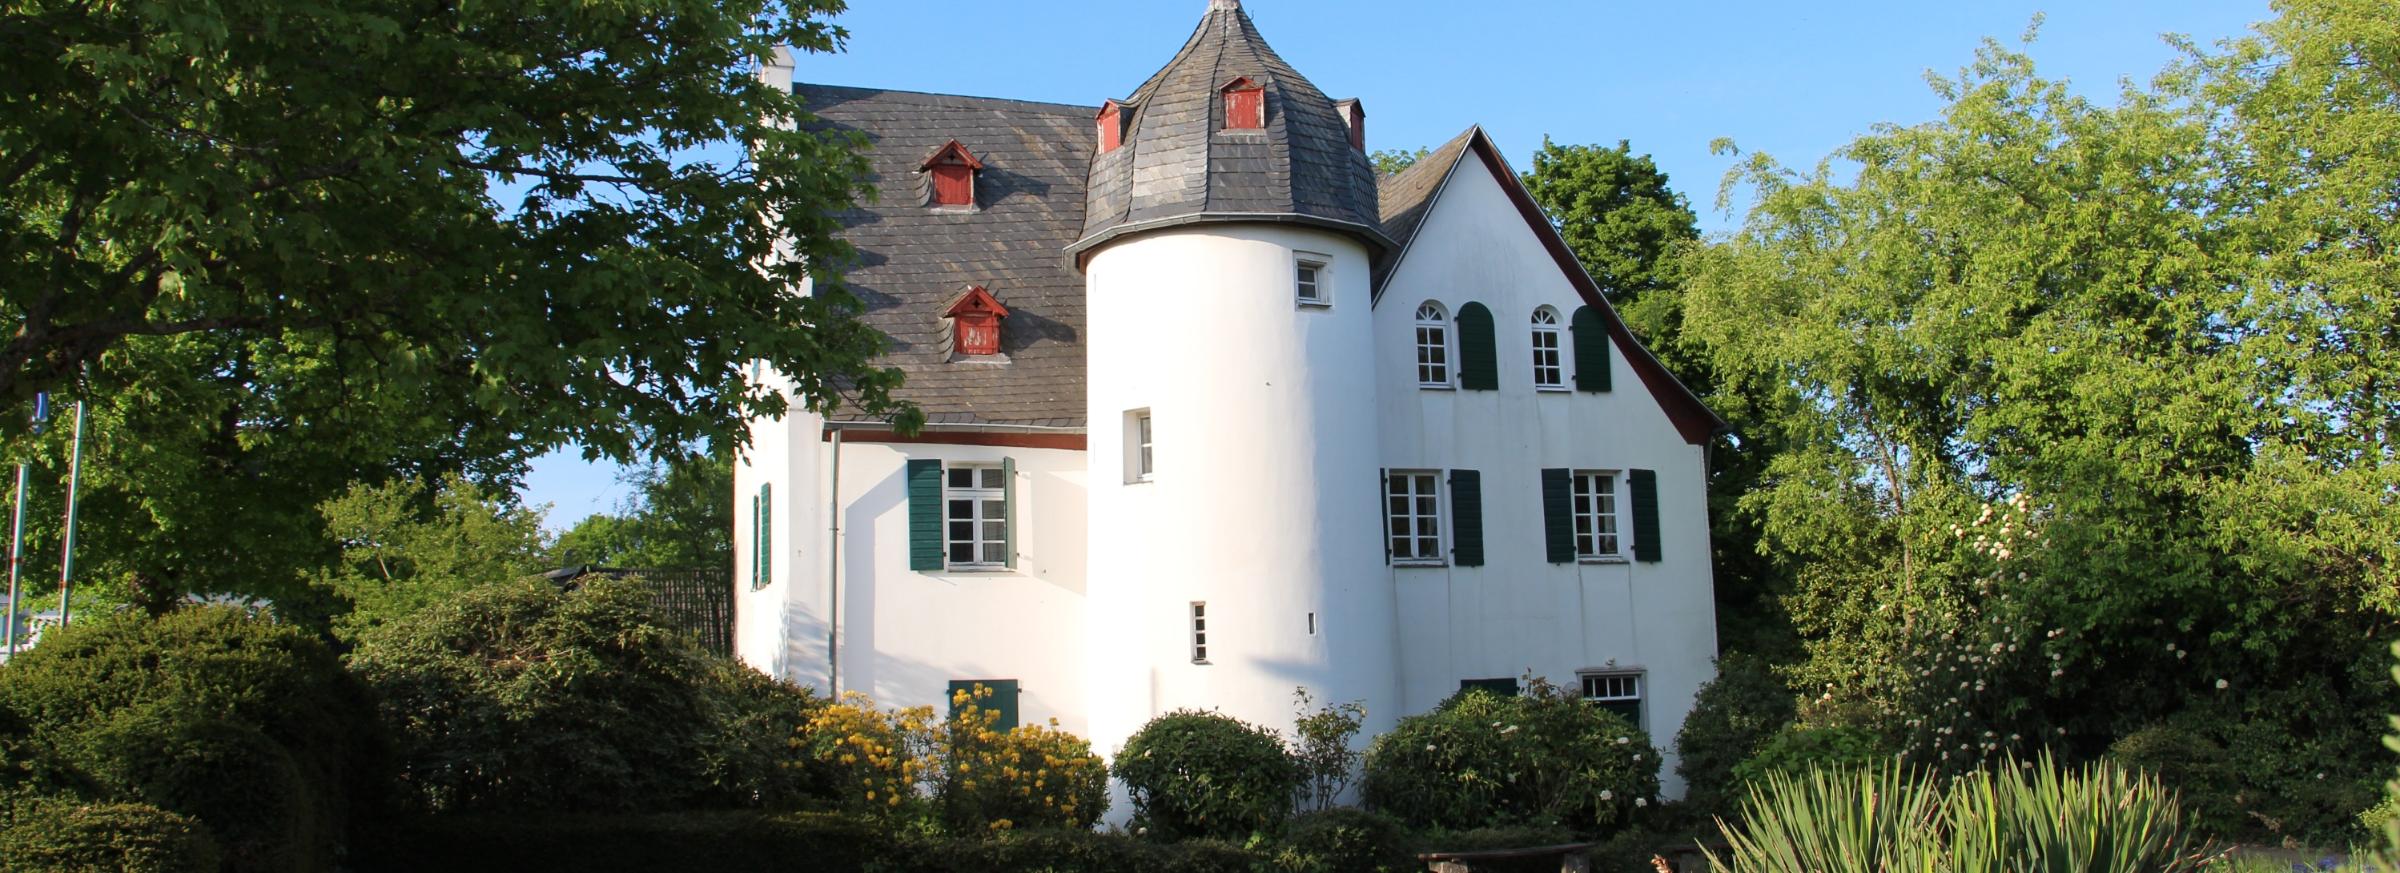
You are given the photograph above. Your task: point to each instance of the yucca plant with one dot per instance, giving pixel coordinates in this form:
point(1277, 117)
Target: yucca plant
point(1872, 820)
point(2035, 817)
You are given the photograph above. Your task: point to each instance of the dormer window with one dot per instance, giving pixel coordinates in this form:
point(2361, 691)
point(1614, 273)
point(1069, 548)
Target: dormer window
point(953, 170)
point(1112, 126)
point(975, 323)
point(1245, 105)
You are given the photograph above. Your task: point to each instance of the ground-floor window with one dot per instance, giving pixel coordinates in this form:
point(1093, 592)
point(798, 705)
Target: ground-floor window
point(1620, 693)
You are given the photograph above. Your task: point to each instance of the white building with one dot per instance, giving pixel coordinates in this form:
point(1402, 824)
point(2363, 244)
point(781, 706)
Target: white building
point(1217, 413)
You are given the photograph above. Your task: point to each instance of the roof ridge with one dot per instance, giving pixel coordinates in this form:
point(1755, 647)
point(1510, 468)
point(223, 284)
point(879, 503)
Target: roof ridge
point(899, 92)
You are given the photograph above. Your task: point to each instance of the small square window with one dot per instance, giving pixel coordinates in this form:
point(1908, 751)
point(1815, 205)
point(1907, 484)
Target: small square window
point(1309, 282)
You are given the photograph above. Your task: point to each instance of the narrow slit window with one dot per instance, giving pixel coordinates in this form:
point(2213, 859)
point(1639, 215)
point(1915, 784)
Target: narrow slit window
point(1308, 283)
point(1199, 632)
point(1140, 462)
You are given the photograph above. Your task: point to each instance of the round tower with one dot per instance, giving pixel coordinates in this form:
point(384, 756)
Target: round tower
point(1235, 545)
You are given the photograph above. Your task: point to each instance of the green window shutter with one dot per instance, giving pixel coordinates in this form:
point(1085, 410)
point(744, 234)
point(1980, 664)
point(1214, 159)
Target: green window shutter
point(1558, 516)
point(766, 535)
point(1466, 518)
point(754, 528)
point(1591, 349)
point(1008, 500)
point(1003, 699)
point(925, 515)
point(1644, 484)
point(1630, 710)
point(1478, 354)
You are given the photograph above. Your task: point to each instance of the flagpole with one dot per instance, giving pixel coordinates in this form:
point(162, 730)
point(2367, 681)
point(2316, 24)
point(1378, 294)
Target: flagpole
point(16, 535)
point(66, 561)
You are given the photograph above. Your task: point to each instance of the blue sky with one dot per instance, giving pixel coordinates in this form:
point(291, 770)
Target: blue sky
point(1796, 80)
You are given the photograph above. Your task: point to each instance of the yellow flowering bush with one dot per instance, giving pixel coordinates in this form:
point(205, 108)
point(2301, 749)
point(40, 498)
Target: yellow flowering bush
point(1035, 776)
point(874, 758)
point(964, 772)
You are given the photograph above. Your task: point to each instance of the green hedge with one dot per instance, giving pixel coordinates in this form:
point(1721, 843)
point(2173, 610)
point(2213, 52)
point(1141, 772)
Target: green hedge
point(59, 836)
point(740, 842)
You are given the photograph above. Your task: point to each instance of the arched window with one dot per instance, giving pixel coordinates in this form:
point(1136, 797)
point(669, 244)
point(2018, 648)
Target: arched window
point(1433, 346)
point(1549, 368)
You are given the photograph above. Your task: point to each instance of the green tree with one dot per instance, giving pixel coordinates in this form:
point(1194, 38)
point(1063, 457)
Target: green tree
point(1391, 161)
point(2081, 408)
point(348, 242)
point(406, 546)
point(678, 517)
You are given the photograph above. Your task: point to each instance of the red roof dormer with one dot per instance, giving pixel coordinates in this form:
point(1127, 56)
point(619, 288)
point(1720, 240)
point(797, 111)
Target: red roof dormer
point(953, 169)
point(1245, 105)
point(975, 323)
point(1112, 126)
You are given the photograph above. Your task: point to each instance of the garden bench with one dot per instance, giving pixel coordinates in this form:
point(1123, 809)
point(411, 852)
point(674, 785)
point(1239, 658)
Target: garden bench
point(1572, 858)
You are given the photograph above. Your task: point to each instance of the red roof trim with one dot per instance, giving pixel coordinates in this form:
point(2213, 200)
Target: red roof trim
point(1692, 418)
point(952, 153)
point(1068, 441)
point(977, 300)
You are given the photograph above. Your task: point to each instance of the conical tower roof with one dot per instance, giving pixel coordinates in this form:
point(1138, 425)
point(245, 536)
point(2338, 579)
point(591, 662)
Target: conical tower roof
point(1178, 164)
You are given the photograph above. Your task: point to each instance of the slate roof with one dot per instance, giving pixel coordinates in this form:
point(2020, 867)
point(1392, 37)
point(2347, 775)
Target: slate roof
point(1177, 165)
point(1407, 195)
point(915, 260)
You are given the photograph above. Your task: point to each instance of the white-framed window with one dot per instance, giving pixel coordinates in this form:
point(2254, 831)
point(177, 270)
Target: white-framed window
point(1413, 504)
point(1549, 363)
point(1311, 285)
point(975, 516)
point(1199, 632)
point(1433, 346)
point(1139, 462)
point(1618, 692)
point(1599, 530)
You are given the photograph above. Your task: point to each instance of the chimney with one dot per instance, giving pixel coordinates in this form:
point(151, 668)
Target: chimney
point(1354, 117)
point(776, 69)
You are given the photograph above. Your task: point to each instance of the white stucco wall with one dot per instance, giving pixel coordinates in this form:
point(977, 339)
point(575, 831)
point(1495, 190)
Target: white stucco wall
point(1518, 613)
point(1265, 440)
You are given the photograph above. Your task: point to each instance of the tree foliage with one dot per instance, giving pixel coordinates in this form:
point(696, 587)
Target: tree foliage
point(406, 546)
point(680, 516)
point(2061, 395)
point(323, 244)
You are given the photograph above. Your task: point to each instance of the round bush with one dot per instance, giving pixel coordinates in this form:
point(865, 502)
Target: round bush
point(248, 725)
point(59, 836)
point(1798, 749)
point(522, 696)
point(1201, 774)
point(746, 751)
point(1542, 758)
point(1733, 715)
point(1344, 840)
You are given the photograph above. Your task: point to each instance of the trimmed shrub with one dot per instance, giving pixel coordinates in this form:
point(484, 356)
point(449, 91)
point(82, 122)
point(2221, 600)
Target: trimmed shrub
point(245, 724)
point(525, 697)
point(58, 836)
point(1798, 749)
point(1202, 774)
point(1734, 714)
point(1542, 758)
point(1344, 840)
point(751, 842)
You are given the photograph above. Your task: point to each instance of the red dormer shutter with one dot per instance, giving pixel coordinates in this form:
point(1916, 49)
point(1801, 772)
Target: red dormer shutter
point(953, 185)
point(979, 334)
point(1245, 106)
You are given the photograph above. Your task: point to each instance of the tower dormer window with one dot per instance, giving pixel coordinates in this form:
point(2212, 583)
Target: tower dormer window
point(975, 323)
point(1112, 126)
point(953, 170)
point(1245, 105)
